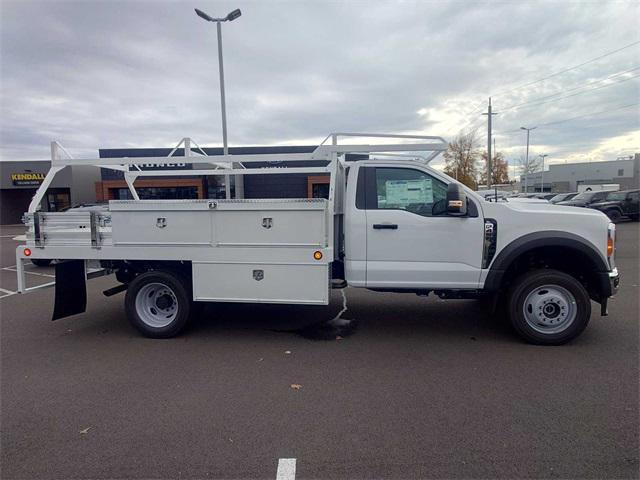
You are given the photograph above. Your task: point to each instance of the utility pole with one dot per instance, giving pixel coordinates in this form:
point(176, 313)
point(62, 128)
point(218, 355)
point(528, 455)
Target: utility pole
point(543, 156)
point(495, 152)
point(526, 162)
point(489, 114)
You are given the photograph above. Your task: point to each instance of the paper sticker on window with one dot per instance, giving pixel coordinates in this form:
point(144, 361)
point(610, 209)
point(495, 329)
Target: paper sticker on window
point(406, 192)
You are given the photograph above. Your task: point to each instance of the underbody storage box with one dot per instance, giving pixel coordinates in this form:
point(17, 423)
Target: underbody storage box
point(261, 283)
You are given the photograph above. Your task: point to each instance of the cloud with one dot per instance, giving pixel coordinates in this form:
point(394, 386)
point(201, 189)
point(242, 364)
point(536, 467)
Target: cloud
point(113, 74)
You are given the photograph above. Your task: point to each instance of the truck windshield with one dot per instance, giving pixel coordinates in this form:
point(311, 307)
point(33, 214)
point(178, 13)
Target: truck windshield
point(616, 196)
point(584, 196)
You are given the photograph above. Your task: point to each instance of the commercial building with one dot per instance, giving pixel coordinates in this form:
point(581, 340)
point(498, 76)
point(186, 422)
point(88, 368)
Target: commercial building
point(112, 185)
point(566, 177)
point(19, 181)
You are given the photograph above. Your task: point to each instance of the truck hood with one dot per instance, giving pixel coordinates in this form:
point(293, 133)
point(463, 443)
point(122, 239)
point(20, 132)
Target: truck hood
point(562, 208)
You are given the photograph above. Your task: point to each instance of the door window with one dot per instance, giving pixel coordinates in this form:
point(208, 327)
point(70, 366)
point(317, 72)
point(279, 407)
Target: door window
point(408, 189)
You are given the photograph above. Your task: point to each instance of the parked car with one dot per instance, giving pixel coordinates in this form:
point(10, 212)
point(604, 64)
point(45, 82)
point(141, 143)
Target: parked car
point(563, 197)
point(620, 204)
point(585, 199)
point(545, 196)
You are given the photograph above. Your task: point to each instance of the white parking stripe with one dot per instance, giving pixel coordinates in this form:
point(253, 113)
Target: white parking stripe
point(286, 469)
point(30, 273)
point(8, 292)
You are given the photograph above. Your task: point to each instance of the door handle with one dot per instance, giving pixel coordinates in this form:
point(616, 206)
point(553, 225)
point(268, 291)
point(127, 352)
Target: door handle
point(385, 226)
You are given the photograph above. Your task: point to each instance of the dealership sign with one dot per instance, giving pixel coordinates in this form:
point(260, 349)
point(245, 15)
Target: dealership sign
point(27, 179)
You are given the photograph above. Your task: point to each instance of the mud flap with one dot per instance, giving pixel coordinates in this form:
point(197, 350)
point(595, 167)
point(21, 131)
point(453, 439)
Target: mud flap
point(71, 289)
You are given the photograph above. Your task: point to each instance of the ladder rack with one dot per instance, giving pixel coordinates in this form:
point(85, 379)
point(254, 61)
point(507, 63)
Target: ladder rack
point(419, 147)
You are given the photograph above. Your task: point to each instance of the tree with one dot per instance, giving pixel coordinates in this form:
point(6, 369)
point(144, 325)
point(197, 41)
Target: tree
point(527, 167)
point(499, 167)
point(460, 158)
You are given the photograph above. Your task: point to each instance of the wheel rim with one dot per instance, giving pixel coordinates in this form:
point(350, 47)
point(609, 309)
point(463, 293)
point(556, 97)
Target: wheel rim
point(550, 309)
point(156, 305)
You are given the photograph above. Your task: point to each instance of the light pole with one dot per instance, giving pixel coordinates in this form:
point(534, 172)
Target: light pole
point(526, 162)
point(542, 156)
point(229, 18)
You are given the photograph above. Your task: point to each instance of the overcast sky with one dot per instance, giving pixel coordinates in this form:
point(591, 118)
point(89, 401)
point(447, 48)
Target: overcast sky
point(140, 73)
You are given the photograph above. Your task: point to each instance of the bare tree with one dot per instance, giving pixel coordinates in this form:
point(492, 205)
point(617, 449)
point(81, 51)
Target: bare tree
point(527, 168)
point(461, 157)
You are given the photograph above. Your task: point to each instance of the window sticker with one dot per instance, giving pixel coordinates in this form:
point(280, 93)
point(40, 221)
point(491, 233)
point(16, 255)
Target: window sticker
point(406, 192)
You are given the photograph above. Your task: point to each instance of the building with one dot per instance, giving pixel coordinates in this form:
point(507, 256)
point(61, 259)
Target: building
point(112, 185)
point(20, 180)
point(566, 177)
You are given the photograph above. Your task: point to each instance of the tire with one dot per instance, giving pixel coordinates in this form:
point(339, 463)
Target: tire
point(41, 262)
point(158, 304)
point(548, 307)
point(614, 215)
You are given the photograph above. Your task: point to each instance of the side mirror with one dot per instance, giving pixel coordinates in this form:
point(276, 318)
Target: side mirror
point(456, 200)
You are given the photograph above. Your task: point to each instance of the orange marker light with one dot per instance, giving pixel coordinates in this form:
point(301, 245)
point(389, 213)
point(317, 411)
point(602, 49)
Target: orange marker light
point(317, 255)
point(609, 246)
point(27, 252)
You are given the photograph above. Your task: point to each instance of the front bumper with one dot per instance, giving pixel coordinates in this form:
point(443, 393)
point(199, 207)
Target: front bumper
point(614, 279)
point(609, 283)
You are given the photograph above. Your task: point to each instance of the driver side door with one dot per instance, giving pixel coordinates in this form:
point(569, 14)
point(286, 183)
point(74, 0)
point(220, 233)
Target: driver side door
point(411, 244)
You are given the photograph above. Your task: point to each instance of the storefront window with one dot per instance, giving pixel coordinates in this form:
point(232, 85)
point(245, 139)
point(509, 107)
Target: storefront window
point(156, 193)
point(216, 187)
point(58, 199)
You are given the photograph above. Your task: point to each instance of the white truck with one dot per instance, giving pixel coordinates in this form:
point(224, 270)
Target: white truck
point(597, 187)
point(391, 224)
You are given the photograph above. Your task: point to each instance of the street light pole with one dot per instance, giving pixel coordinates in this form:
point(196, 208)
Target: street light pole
point(543, 156)
point(526, 162)
point(223, 104)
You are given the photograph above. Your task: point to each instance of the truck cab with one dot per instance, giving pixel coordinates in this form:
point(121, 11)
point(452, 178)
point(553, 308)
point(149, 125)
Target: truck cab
point(544, 263)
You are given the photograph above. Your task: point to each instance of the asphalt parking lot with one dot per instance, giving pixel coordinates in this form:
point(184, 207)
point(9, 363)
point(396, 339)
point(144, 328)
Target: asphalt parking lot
point(423, 389)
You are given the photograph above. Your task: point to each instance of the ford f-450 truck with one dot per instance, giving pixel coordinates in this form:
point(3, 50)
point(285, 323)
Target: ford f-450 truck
point(391, 223)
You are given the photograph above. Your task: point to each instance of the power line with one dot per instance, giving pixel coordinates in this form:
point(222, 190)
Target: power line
point(555, 74)
point(592, 82)
point(589, 115)
point(555, 122)
point(475, 109)
point(533, 103)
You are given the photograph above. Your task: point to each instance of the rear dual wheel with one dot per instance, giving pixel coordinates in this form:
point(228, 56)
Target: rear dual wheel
point(159, 304)
point(548, 307)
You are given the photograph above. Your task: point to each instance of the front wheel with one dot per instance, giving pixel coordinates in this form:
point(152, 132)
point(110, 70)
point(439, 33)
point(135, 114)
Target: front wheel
point(158, 304)
point(548, 307)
